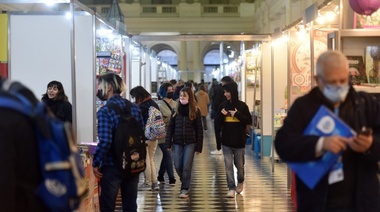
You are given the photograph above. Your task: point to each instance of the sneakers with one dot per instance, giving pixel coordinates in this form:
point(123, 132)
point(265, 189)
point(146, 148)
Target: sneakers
point(231, 194)
point(216, 152)
point(172, 182)
point(145, 187)
point(161, 180)
point(184, 193)
point(239, 188)
point(155, 186)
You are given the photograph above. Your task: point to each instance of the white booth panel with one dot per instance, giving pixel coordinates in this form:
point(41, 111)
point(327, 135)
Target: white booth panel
point(280, 74)
point(40, 51)
point(266, 99)
point(135, 74)
point(85, 78)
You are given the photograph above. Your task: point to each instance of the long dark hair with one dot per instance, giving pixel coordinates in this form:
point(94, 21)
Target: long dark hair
point(61, 96)
point(140, 94)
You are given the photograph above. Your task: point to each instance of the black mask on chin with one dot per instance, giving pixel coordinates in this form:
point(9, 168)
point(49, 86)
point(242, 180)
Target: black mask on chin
point(170, 95)
point(101, 96)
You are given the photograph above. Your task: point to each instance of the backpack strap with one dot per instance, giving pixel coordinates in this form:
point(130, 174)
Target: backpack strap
point(118, 109)
point(167, 104)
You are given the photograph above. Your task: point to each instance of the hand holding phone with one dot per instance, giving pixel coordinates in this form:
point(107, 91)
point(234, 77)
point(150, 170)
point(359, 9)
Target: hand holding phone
point(366, 131)
point(363, 141)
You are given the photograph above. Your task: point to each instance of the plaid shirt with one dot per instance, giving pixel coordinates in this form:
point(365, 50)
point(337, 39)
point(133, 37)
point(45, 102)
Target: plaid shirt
point(107, 121)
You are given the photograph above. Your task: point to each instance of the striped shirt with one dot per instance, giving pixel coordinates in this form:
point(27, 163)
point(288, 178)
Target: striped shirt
point(107, 122)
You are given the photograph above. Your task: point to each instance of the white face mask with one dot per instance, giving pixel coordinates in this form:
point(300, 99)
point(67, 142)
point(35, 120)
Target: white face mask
point(184, 101)
point(336, 93)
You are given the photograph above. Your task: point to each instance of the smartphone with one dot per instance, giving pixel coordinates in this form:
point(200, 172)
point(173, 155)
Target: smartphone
point(366, 131)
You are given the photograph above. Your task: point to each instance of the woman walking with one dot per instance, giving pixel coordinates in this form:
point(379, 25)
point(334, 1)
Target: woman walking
point(166, 105)
point(185, 136)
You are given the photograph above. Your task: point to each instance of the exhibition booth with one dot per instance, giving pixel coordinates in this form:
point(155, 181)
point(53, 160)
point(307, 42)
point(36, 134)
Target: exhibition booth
point(70, 43)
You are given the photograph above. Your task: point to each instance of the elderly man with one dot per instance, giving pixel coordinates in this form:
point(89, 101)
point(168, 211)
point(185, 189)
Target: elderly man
point(356, 188)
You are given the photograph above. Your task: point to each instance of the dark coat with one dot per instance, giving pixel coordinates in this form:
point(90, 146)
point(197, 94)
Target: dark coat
point(20, 170)
point(182, 131)
point(232, 130)
point(218, 97)
point(360, 187)
point(61, 109)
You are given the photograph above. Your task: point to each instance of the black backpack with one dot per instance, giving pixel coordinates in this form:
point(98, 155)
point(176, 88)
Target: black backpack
point(128, 140)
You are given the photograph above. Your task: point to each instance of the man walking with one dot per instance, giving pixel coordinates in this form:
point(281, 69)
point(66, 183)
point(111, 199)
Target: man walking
point(352, 185)
point(231, 120)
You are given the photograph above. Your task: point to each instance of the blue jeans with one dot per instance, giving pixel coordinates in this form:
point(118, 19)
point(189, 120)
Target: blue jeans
point(112, 179)
point(234, 156)
point(183, 162)
point(166, 162)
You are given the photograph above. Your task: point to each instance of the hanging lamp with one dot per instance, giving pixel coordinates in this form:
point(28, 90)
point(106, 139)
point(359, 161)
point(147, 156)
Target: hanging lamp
point(365, 7)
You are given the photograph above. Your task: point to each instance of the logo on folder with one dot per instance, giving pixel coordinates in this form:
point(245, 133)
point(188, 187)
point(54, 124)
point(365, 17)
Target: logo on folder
point(326, 125)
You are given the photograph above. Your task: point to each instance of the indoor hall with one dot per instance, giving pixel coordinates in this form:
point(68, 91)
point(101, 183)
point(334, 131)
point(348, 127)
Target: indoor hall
point(264, 190)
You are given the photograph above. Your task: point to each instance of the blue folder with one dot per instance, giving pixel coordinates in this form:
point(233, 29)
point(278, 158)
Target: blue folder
point(324, 123)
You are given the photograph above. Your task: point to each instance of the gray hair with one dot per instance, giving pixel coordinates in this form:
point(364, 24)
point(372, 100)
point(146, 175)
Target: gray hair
point(330, 57)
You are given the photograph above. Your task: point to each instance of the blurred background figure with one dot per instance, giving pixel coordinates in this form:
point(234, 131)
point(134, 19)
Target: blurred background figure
point(203, 101)
point(180, 85)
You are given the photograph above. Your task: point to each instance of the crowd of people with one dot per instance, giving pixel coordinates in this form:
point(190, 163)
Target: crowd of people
point(352, 185)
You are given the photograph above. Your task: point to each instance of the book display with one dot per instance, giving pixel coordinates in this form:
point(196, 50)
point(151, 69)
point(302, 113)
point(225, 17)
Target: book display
point(372, 55)
point(357, 70)
point(109, 55)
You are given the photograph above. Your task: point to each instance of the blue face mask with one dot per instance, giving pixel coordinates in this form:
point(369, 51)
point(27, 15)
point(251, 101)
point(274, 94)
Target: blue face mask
point(336, 93)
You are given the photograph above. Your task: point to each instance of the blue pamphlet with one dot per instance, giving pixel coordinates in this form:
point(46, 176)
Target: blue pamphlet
point(324, 123)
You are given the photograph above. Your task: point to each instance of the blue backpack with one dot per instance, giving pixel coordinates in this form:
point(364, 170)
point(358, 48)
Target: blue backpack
point(63, 186)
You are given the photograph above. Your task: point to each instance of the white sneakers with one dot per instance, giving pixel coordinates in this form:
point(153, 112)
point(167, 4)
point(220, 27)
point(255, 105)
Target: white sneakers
point(184, 193)
point(216, 152)
point(145, 187)
point(231, 194)
point(155, 186)
point(239, 188)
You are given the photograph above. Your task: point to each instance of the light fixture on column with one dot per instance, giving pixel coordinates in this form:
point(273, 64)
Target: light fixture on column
point(116, 18)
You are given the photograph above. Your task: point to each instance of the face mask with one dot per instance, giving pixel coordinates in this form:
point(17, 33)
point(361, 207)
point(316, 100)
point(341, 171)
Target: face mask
point(100, 95)
point(184, 101)
point(336, 93)
point(170, 95)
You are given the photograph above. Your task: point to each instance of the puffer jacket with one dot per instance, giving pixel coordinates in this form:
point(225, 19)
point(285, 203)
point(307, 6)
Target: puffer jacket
point(182, 131)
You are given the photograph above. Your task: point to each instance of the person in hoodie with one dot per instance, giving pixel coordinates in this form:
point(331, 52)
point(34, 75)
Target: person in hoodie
point(232, 117)
point(144, 101)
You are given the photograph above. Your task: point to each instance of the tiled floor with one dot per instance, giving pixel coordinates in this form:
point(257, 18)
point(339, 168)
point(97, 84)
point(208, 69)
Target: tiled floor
point(264, 190)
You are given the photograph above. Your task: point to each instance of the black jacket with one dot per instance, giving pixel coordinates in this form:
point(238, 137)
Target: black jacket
point(231, 131)
point(61, 109)
point(182, 131)
point(218, 97)
point(360, 187)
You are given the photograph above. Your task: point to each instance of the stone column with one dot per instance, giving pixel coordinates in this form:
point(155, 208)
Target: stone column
point(197, 61)
point(182, 63)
